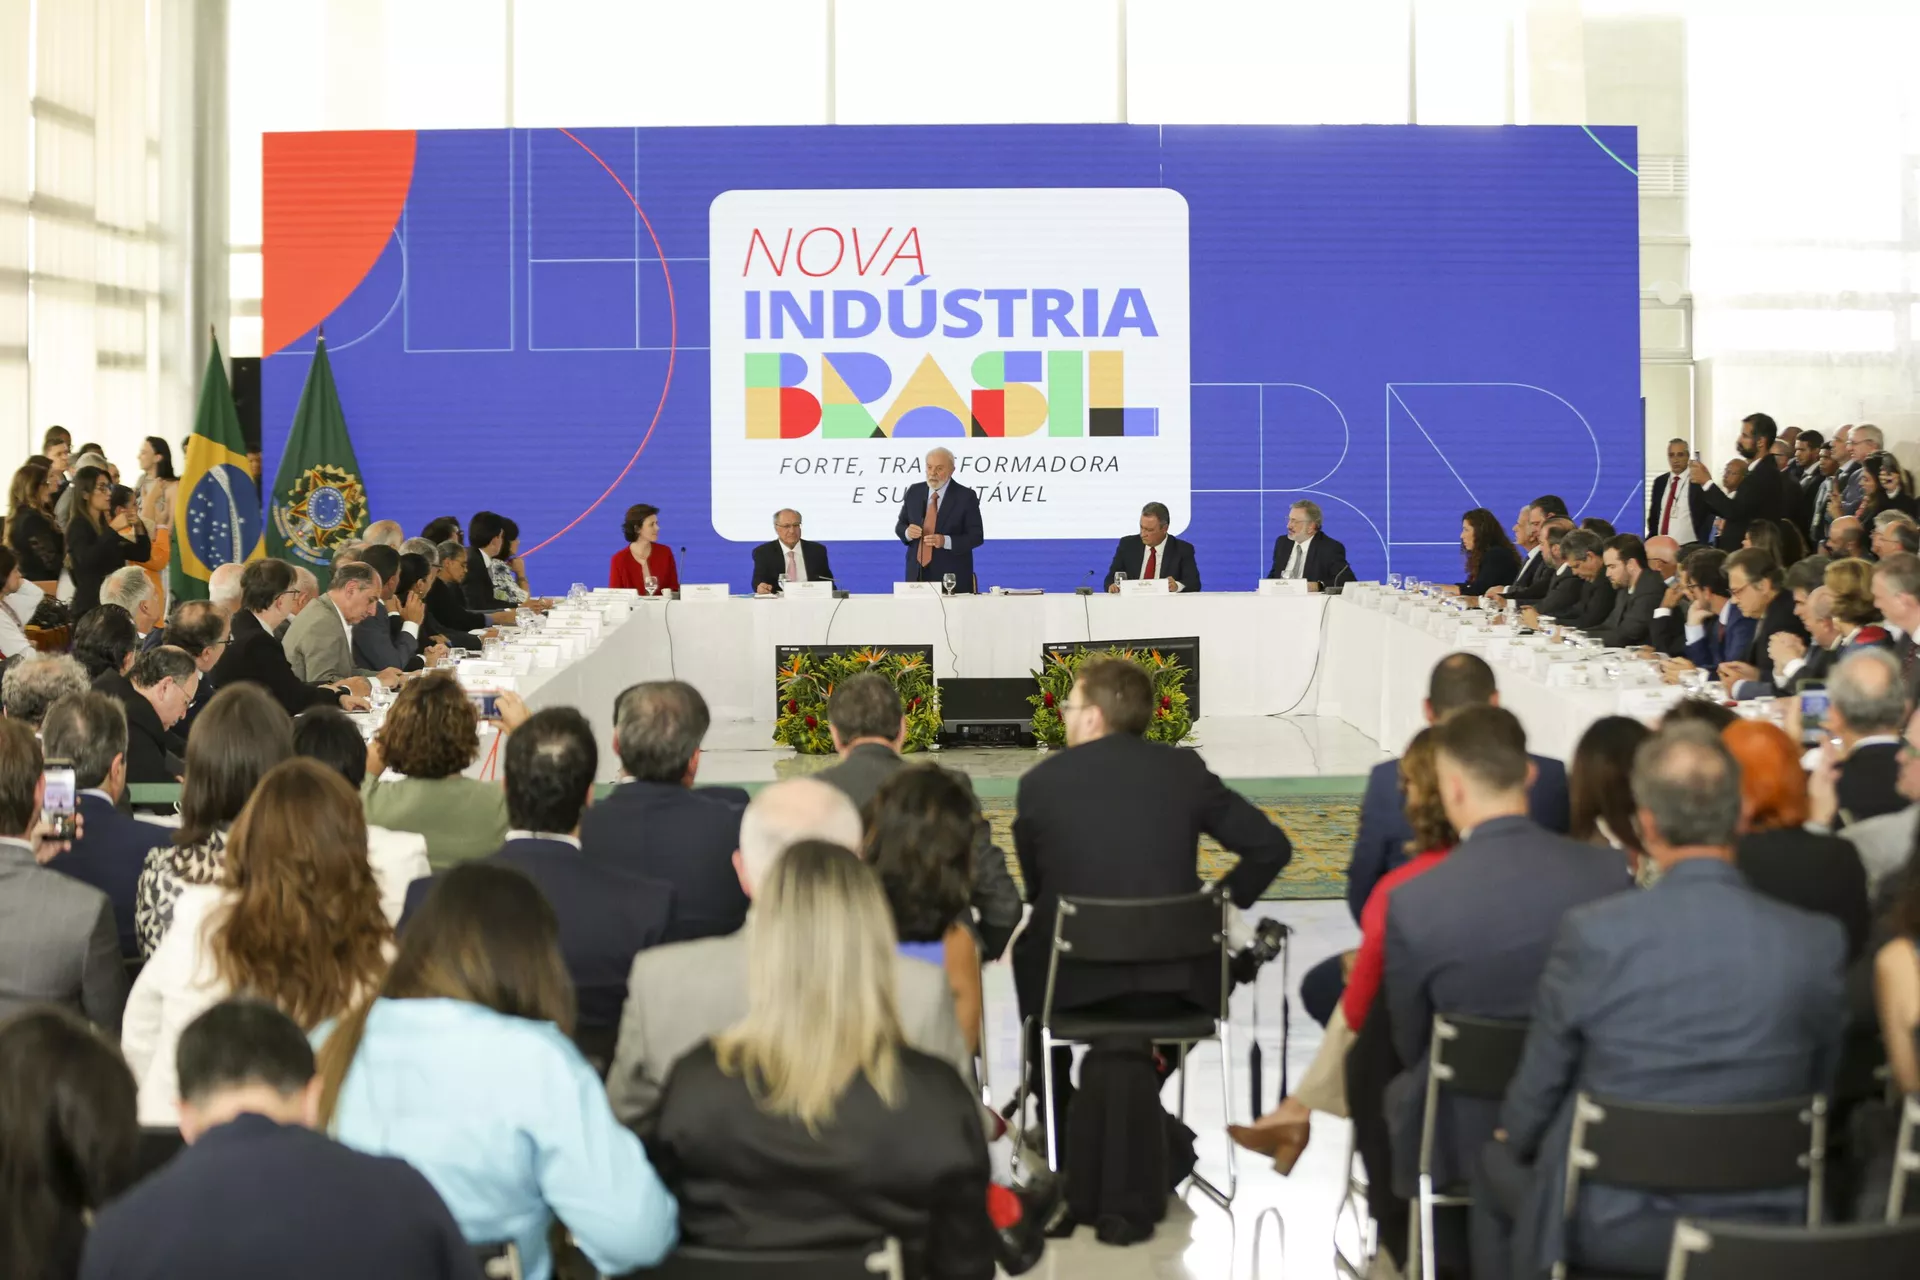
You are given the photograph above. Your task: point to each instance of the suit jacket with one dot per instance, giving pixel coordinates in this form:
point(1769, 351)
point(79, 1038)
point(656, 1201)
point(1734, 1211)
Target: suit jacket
point(682, 837)
point(1868, 782)
point(679, 995)
point(1909, 660)
point(1694, 497)
point(1589, 612)
point(1731, 642)
point(1563, 593)
point(255, 1198)
point(1325, 561)
point(1761, 496)
point(1176, 561)
point(1380, 845)
point(1778, 617)
point(1668, 632)
point(1821, 874)
point(1471, 936)
point(996, 899)
point(254, 654)
point(770, 561)
point(448, 614)
point(317, 647)
point(58, 944)
point(380, 641)
point(958, 519)
point(1121, 817)
point(153, 754)
point(109, 854)
point(1698, 990)
point(1631, 621)
point(1531, 583)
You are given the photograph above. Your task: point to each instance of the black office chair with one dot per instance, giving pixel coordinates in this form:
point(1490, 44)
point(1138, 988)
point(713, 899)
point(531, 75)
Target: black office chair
point(1140, 931)
point(1672, 1149)
point(499, 1260)
point(883, 1260)
point(1906, 1157)
point(1744, 1251)
point(1474, 1058)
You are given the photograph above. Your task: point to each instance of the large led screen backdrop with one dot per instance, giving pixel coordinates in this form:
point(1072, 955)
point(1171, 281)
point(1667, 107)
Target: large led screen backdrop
point(1400, 323)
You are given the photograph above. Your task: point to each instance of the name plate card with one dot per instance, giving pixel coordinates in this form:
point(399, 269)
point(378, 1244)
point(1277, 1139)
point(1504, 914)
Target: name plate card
point(820, 589)
point(703, 591)
point(1281, 587)
point(1144, 587)
point(916, 588)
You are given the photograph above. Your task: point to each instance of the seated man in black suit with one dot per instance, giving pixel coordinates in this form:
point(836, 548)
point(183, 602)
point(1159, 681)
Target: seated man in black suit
point(1116, 816)
point(199, 630)
point(268, 593)
point(1581, 549)
point(1154, 553)
point(656, 824)
point(1866, 712)
point(1530, 534)
point(155, 696)
point(1637, 592)
point(90, 729)
point(1699, 991)
point(257, 1192)
point(1755, 582)
point(1561, 587)
point(1471, 936)
point(789, 554)
point(1305, 552)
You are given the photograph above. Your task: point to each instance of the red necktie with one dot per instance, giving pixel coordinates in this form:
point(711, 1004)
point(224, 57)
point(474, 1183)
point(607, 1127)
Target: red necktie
point(1153, 560)
point(1673, 491)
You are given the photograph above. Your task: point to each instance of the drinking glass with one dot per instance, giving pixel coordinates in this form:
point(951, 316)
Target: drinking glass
point(578, 591)
point(781, 582)
point(1393, 580)
point(948, 582)
point(653, 587)
point(1119, 575)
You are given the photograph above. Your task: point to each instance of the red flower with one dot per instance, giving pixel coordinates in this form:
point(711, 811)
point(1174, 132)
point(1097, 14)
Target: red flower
point(1163, 713)
point(1047, 698)
point(914, 705)
point(793, 705)
point(1166, 702)
point(812, 723)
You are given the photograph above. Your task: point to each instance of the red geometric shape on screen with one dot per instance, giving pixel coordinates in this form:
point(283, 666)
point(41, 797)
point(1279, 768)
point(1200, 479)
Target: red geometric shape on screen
point(989, 413)
point(799, 412)
point(330, 201)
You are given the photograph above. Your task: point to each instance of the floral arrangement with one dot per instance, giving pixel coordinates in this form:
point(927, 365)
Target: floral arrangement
point(809, 679)
point(1171, 721)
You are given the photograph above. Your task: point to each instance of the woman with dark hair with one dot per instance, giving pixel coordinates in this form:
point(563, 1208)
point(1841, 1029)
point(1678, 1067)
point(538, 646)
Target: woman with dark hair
point(1896, 984)
point(295, 921)
point(1491, 559)
point(157, 482)
point(124, 503)
point(919, 841)
point(463, 1067)
point(645, 564)
point(19, 600)
point(31, 531)
point(398, 858)
point(443, 529)
point(98, 542)
point(1594, 524)
point(430, 736)
point(1896, 492)
point(238, 736)
point(104, 641)
point(508, 570)
point(785, 1132)
point(1600, 792)
point(416, 575)
point(69, 1141)
point(1765, 535)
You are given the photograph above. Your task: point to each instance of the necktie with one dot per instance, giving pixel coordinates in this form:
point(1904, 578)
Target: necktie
point(793, 570)
point(926, 527)
point(1909, 651)
point(1673, 491)
point(1153, 560)
point(1295, 567)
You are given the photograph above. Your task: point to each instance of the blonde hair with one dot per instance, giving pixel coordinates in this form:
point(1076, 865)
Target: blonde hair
point(821, 1007)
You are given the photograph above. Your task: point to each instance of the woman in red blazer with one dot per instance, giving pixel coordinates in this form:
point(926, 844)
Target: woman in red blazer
point(644, 557)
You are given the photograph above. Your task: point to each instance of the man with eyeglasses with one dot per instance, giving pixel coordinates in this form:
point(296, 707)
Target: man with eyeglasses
point(1896, 594)
point(1303, 551)
point(1886, 842)
point(788, 554)
point(200, 629)
point(1753, 584)
point(267, 597)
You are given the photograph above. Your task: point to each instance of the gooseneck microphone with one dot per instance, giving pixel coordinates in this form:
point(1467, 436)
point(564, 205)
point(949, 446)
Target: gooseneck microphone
point(1085, 588)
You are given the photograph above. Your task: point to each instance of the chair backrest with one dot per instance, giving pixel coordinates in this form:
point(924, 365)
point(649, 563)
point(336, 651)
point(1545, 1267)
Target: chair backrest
point(1140, 930)
point(499, 1260)
point(882, 1261)
point(1474, 1057)
point(1672, 1148)
point(1740, 1251)
point(1906, 1157)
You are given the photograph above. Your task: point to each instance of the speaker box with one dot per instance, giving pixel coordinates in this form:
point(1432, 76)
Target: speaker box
point(986, 711)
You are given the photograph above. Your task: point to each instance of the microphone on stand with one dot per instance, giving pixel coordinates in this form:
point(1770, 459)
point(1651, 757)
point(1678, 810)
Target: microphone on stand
point(1085, 589)
point(683, 564)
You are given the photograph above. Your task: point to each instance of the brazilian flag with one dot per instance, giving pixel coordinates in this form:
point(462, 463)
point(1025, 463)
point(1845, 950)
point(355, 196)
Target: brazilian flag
point(216, 505)
point(319, 500)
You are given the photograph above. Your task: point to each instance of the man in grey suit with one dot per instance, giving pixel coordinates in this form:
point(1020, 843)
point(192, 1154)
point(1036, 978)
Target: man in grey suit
point(1471, 936)
point(319, 642)
point(869, 731)
point(1697, 991)
point(58, 944)
point(678, 995)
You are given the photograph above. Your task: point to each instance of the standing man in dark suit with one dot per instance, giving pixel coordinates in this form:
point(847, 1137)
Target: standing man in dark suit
point(1305, 552)
point(1472, 935)
point(1896, 594)
point(90, 729)
point(940, 523)
point(1761, 496)
point(1116, 816)
point(1699, 991)
point(655, 824)
point(788, 553)
point(869, 730)
point(1637, 592)
point(267, 597)
point(1866, 714)
point(1677, 509)
point(1755, 587)
point(1154, 553)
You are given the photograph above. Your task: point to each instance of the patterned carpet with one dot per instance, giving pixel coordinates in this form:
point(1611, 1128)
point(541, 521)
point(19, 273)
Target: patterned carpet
point(1320, 826)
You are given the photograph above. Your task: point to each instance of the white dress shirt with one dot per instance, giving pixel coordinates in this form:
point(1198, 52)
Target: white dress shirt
point(15, 612)
point(1159, 564)
point(519, 833)
point(1676, 511)
point(795, 564)
point(940, 495)
point(1296, 566)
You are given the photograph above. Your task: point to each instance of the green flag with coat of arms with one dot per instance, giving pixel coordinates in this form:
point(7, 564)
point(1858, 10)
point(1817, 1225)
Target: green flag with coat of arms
point(319, 500)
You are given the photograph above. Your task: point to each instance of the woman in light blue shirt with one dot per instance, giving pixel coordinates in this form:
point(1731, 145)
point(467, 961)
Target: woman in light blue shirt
point(463, 1067)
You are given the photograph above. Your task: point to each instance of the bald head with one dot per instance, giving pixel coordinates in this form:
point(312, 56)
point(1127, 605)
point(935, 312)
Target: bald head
point(223, 588)
point(1663, 556)
point(786, 813)
point(385, 533)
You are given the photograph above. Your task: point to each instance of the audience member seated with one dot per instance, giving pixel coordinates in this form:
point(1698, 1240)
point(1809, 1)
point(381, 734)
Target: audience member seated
point(1698, 991)
point(36, 682)
point(258, 1192)
point(398, 857)
point(1866, 712)
point(1896, 981)
point(1796, 661)
point(1117, 816)
point(1754, 584)
point(920, 830)
point(1776, 853)
point(1588, 609)
point(58, 944)
point(1637, 592)
point(90, 730)
point(1598, 788)
point(495, 581)
point(68, 1140)
point(99, 542)
point(1894, 532)
point(133, 590)
point(1885, 843)
point(155, 695)
point(1283, 1132)
point(430, 736)
point(1490, 558)
point(19, 601)
point(295, 920)
point(447, 609)
point(645, 564)
point(410, 594)
point(199, 630)
point(268, 596)
point(389, 637)
point(1717, 631)
point(318, 644)
point(869, 731)
point(104, 641)
point(679, 995)
point(464, 1068)
point(1561, 588)
point(1847, 539)
point(244, 733)
point(781, 1132)
point(655, 824)
point(1471, 936)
